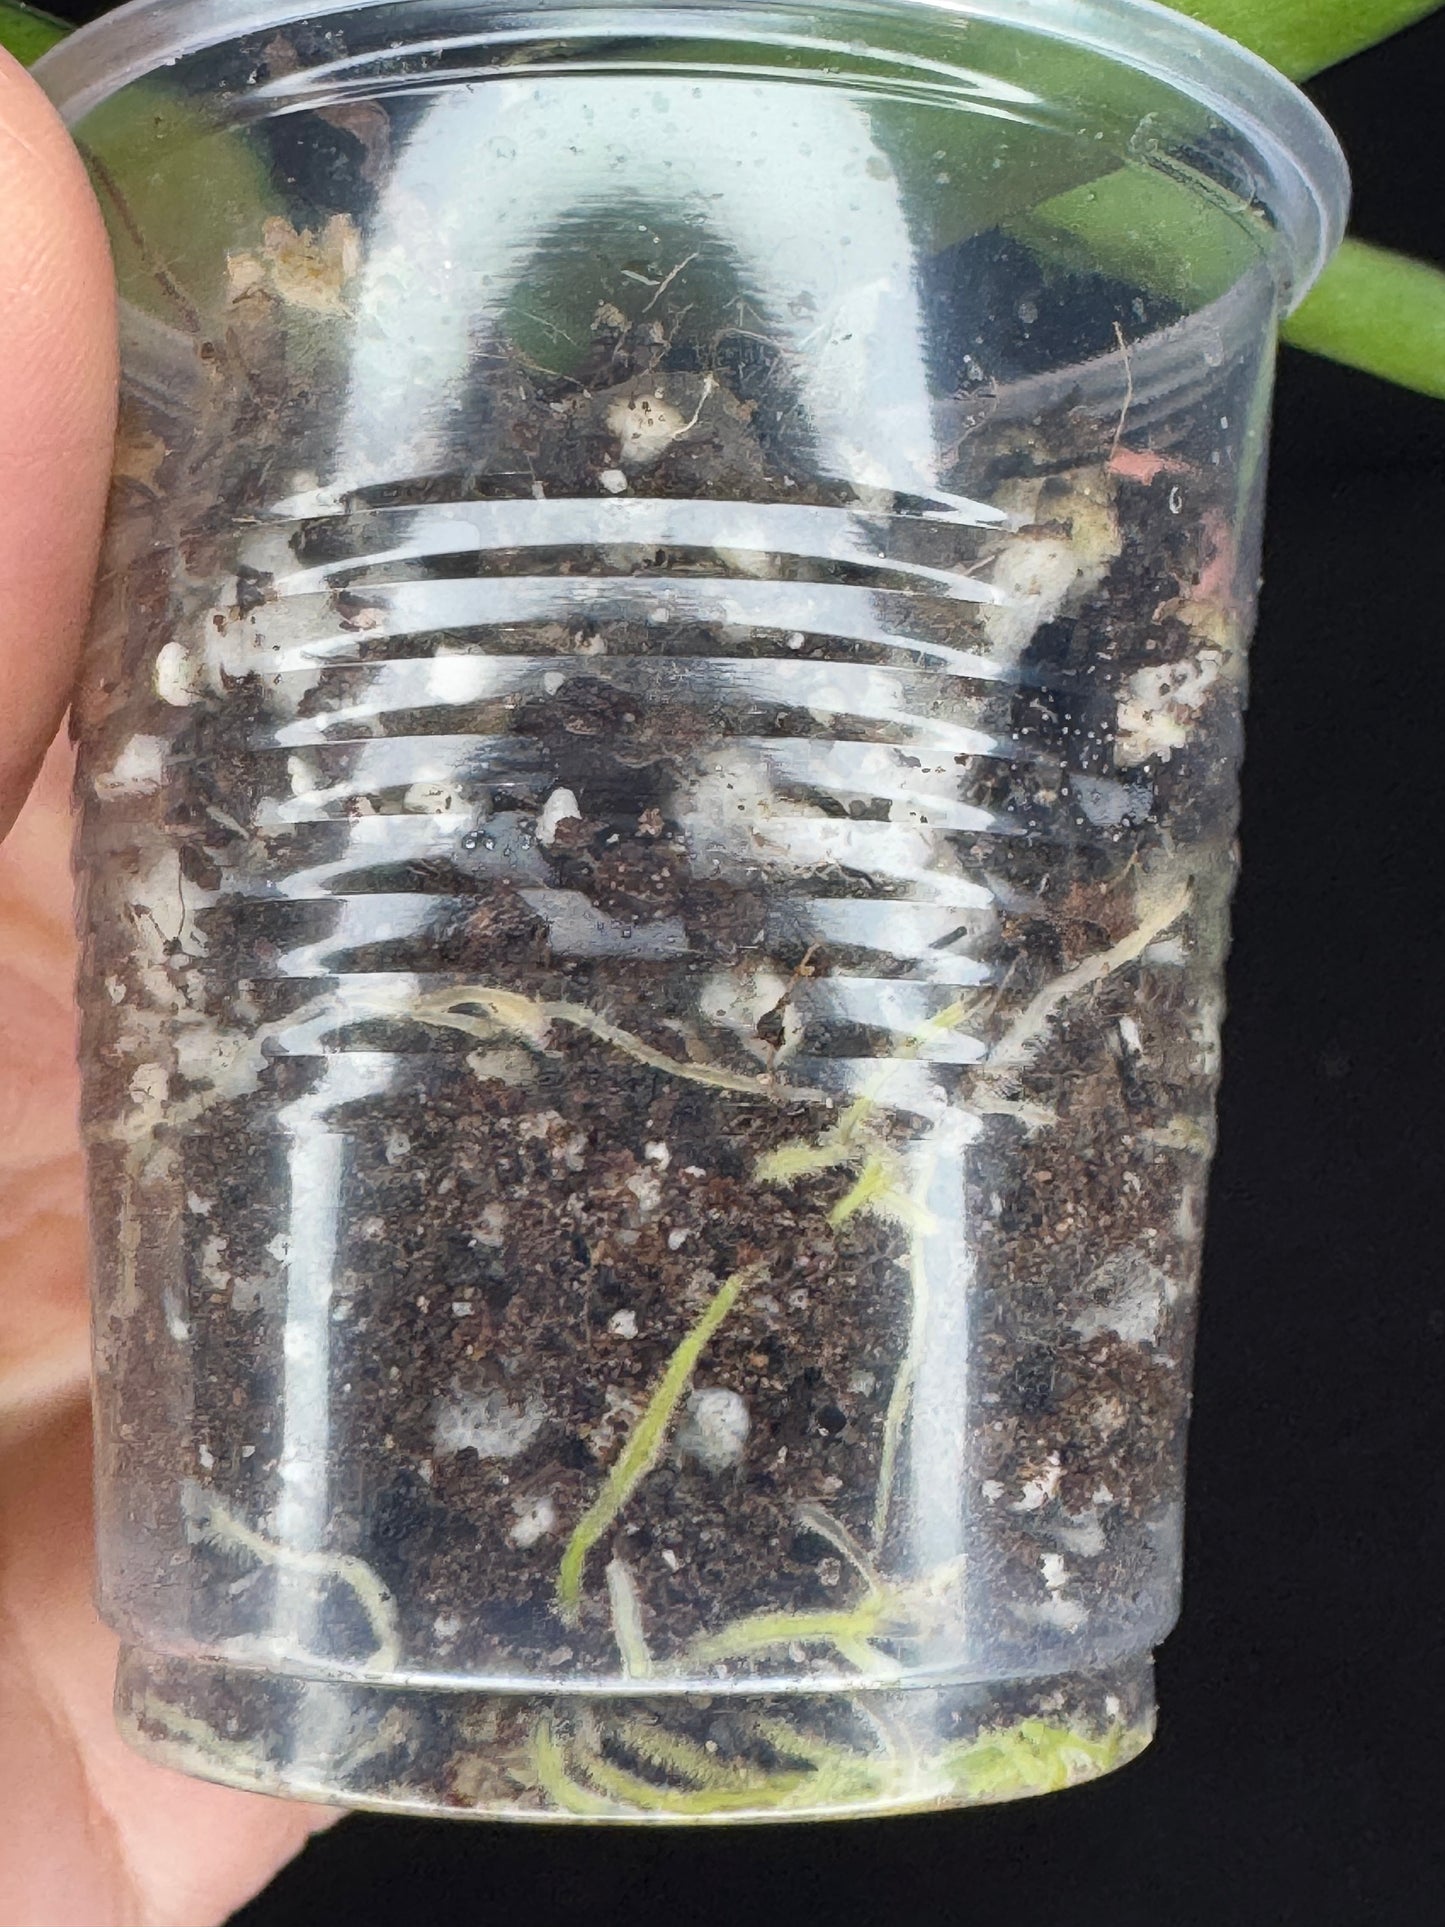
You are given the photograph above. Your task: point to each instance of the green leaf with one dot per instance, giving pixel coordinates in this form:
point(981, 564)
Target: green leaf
point(27, 33)
point(1302, 36)
point(175, 192)
point(1379, 311)
point(1372, 310)
point(1149, 229)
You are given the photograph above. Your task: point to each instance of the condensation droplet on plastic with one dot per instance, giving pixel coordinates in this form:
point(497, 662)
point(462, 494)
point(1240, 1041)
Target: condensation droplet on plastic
point(470, 840)
point(489, 843)
point(1176, 500)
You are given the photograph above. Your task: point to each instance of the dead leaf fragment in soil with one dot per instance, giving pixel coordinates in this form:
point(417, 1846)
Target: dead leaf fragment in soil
point(301, 268)
point(138, 456)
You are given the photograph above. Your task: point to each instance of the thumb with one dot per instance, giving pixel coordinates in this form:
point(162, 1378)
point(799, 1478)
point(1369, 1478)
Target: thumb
point(57, 409)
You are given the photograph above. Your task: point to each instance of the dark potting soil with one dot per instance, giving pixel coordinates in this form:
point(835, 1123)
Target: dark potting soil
point(471, 1002)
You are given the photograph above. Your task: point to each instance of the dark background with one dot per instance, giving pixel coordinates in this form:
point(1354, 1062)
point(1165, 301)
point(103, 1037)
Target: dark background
point(1299, 1773)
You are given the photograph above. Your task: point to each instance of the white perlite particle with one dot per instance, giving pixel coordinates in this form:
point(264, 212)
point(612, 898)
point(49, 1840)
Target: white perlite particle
point(1160, 706)
point(714, 1428)
point(487, 1423)
point(645, 426)
point(558, 808)
point(175, 675)
point(1129, 1296)
point(647, 1189)
point(136, 771)
point(1056, 1573)
point(1039, 571)
point(535, 1519)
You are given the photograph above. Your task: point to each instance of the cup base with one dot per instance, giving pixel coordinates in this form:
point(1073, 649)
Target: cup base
point(679, 1759)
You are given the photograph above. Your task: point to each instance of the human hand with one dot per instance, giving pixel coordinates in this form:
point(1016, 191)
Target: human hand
point(94, 1836)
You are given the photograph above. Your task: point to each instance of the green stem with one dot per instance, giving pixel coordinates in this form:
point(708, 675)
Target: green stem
point(847, 1626)
point(1378, 311)
point(1033, 1757)
point(26, 33)
point(1301, 37)
point(764, 1789)
point(566, 1792)
point(627, 1621)
point(644, 1448)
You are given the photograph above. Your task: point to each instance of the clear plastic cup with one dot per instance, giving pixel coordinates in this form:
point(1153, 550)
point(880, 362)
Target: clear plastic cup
point(658, 765)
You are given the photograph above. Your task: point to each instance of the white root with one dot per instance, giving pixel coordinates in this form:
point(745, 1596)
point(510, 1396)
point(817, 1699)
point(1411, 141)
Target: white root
point(1031, 1025)
point(626, 1607)
point(216, 1525)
